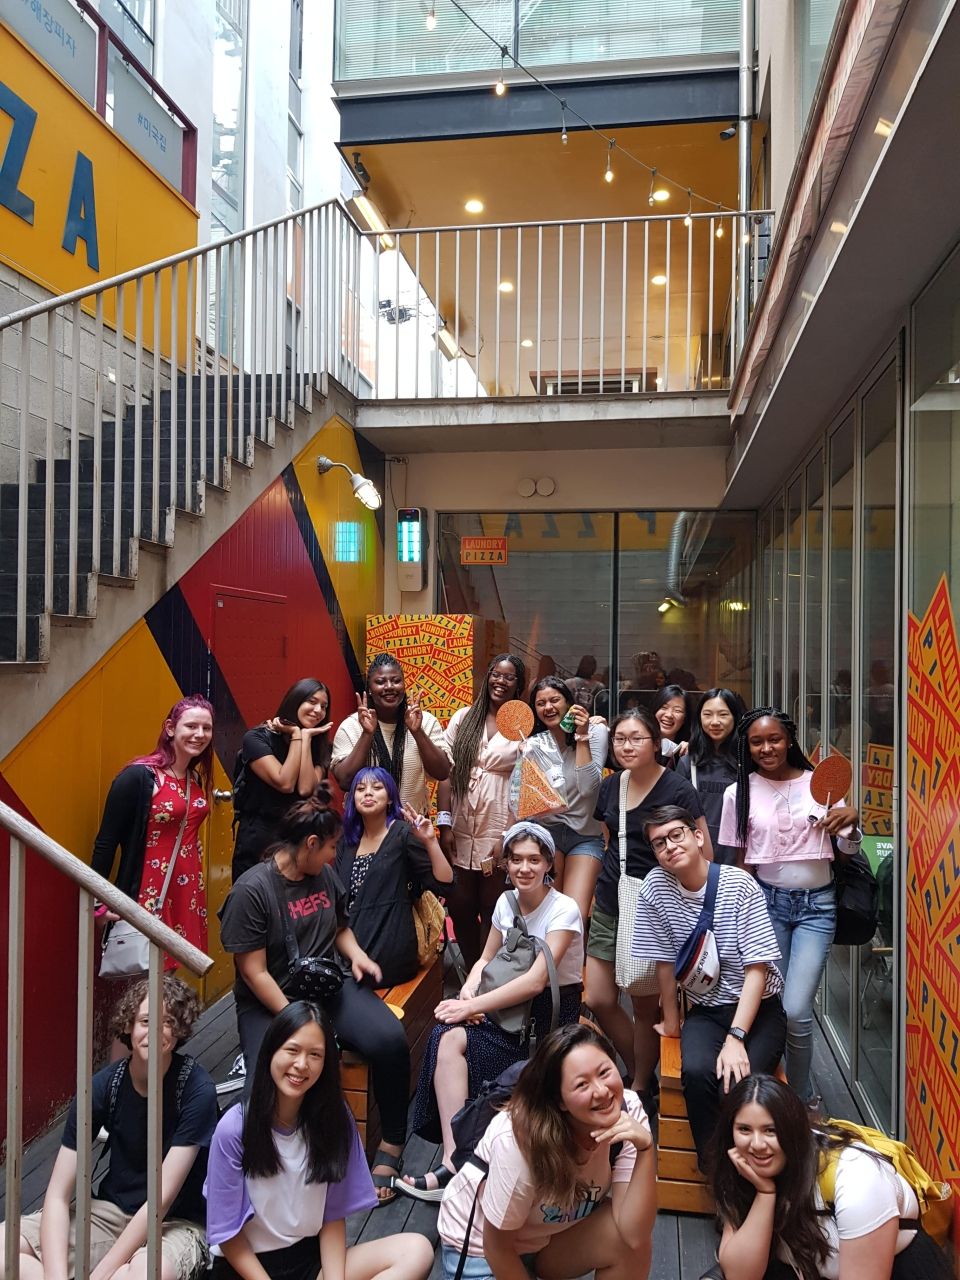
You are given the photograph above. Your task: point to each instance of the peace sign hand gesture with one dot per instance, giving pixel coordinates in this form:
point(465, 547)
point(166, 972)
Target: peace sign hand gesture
point(413, 718)
point(366, 715)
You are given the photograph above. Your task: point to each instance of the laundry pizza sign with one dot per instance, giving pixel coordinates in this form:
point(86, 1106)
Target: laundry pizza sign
point(489, 551)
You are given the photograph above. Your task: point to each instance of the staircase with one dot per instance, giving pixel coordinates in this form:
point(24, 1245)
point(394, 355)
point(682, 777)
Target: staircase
point(249, 329)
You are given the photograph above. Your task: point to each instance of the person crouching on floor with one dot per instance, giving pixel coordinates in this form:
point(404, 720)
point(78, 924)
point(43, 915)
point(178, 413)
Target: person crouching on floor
point(118, 1211)
point(735, 1024)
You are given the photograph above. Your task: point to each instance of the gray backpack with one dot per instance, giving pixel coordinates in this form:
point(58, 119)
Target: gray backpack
point(515, 958)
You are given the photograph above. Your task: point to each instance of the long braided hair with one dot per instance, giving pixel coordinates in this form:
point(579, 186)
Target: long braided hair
point(466, 747)
point(391, 761)
point(746, 765)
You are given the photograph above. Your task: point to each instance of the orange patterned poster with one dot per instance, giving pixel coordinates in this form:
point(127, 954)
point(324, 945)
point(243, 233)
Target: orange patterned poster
point(933, 887)
point(435, 652)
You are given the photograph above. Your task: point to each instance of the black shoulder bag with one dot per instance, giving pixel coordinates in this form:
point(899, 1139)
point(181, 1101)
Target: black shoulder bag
point(308, 977)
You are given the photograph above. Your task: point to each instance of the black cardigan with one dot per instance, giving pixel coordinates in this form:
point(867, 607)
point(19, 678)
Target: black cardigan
point(381, 915)
point(124, 823)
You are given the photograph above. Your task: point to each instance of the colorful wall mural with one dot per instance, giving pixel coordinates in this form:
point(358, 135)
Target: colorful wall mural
point(933, 887)
point(283, 594)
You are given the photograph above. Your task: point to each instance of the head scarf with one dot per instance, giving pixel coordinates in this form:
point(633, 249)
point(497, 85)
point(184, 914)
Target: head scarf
point(529, 829)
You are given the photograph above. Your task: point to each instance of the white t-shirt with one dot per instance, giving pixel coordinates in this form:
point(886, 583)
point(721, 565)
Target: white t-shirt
point(509, 1198)
point(286, 1208)
point(868, 1192)
point(413, 782)
point(556, 911)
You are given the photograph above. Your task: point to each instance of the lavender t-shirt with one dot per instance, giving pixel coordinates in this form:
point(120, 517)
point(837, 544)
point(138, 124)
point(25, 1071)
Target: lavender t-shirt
point(277, 1212)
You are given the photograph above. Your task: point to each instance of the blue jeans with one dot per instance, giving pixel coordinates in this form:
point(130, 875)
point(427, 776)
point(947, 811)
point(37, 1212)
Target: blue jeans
point(475, 1268)
point(804, 921)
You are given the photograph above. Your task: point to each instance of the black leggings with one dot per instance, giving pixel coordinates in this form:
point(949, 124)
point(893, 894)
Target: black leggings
point(364, 1024)
point(470, 901)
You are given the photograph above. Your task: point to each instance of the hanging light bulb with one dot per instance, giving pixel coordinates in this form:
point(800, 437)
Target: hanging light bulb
point(688, 220)
point(653, 182)
point(563, 122)
point(500, 88)
point(719, 231)
point(608, 173)
point(431, 18)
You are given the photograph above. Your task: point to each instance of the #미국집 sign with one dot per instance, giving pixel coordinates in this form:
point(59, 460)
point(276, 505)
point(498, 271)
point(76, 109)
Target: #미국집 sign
point(489, 551)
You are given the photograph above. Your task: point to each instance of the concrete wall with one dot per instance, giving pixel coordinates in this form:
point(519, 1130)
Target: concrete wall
point(778, 92)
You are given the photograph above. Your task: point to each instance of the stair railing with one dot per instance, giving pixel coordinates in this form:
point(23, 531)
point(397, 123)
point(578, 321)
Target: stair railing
point(25, 836)
point(133, 395)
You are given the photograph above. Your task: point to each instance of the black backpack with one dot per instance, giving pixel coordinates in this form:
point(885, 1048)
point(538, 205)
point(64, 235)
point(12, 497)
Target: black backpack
point(116, 1080)
point(239, 785)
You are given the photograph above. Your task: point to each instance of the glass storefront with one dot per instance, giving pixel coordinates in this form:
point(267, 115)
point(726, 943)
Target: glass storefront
point(652, 596)
point(830, 623)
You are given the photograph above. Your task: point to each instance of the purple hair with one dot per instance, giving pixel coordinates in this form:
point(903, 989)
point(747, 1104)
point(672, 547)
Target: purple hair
point(352, 821)
point(163, 755)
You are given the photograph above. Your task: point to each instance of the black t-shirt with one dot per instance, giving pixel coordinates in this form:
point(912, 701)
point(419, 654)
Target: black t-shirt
point(262, 803)
point(189, 1125)
point(250, 918)
point(668, 789)
point(714, 775)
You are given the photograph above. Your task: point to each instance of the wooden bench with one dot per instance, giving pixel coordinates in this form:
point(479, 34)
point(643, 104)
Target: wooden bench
point(681, 1187)
point(416, 1000)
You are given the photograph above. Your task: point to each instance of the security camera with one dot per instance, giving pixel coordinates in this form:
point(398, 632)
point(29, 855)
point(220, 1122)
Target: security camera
point(729, 132)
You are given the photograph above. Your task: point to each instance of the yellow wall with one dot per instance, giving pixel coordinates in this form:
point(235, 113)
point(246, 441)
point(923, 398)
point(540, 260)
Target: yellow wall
point(139, 217)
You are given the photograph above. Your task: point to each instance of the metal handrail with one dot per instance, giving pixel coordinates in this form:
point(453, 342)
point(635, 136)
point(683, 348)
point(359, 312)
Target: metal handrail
point(90, 886)
point(652, 218)
point(86, 878)
point(172, 260)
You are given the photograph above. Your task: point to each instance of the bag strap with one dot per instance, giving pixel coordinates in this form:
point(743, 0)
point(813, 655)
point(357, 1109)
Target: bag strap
point(710, 897)
point(484, 1168)
point(176, 849)
point(289, 937)
point(518, 919)
point(693, 775)
point(622, 832)
point(543, 947)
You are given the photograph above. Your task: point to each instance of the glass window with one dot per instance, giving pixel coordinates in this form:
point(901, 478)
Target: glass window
point(229, 57)
point(838, 710)
point(878, 648)
point(794, 582)
point(814, 19)
point(810, 721)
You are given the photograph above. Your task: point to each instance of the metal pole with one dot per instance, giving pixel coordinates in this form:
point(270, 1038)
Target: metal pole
point(744, 164)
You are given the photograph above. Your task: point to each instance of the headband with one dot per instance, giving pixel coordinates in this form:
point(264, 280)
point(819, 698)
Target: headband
point(529, 829)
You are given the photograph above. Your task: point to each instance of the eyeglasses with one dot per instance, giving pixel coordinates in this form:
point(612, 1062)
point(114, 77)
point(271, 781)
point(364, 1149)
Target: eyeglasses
point(618, 741)
point(677, 836)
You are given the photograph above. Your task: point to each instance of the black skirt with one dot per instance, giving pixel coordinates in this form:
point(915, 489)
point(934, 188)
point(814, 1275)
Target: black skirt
point(300, 1261)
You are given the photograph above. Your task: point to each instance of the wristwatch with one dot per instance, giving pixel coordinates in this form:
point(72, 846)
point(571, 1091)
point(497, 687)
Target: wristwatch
point(738, 1033)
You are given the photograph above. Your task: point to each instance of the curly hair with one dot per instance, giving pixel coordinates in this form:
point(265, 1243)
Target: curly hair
point(180, 1004)
point(746, 766)
point(470, 732)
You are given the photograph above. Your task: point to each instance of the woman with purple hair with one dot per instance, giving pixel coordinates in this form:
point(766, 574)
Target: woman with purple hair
point(387, 856)
point(153, 813)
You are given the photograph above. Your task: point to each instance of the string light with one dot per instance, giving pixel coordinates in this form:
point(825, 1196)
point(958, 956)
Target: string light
point(653, 180)
point(501, 89)
point(688, 220)
point(608, 175)
point(719, 231)
point(431, 18)
point(563, 121)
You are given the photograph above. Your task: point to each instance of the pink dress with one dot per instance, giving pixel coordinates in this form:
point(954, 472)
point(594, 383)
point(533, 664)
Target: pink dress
point(185, 906)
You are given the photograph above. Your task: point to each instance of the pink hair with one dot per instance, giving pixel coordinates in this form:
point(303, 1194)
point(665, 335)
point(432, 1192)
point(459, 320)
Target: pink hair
point(162, 756)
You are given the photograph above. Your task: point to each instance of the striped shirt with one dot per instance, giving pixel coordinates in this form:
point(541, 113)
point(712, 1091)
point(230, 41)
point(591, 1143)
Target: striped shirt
point(667, 914)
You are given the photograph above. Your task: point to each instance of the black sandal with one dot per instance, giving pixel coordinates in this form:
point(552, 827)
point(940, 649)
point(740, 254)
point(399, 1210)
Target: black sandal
point(418, 1188)
point(386, 1181)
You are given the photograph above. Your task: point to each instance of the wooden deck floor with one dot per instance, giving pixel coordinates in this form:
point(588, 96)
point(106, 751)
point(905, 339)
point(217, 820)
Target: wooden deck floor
point(683, 1244)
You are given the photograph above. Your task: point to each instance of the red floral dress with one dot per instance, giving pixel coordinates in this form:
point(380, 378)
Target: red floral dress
point(185, 906)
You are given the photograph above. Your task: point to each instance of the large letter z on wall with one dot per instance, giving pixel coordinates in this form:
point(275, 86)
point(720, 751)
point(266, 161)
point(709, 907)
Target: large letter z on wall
point(24, 119)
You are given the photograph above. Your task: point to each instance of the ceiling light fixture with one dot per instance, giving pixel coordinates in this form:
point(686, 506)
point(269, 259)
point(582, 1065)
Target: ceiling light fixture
point(563, 121)
point(474, 205)
point(661, 194)
point(608, 172)
point(431, 18)
point(526, 342)
point(372, 217)
point(364, 490)
point(664, 606)
point(500, 88)
point(838, 228)
point(883, 128)
point(505, 286)
point(445, 338)
point(658, 279)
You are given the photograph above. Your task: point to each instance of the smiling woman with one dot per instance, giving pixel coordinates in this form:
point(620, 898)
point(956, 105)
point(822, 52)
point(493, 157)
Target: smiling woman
point(153, 812)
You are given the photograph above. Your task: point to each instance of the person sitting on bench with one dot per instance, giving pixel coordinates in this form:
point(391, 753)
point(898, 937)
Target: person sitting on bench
point(737, 1025)
point(118, 1211)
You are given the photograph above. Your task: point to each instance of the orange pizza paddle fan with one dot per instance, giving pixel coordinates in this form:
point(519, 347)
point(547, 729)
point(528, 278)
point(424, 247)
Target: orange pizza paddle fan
point(830, 781)
point(515, 720)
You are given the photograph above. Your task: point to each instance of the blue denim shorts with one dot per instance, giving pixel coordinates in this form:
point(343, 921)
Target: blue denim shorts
point(475, 1268)
point(588, 847)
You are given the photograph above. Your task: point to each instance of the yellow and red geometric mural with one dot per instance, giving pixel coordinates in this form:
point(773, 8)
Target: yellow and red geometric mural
point(933, 887)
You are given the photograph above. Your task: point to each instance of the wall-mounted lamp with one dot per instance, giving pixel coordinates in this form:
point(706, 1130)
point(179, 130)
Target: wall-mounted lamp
point(364, 490)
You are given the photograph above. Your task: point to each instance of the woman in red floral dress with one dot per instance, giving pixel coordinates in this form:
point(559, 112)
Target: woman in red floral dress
point(143, 815)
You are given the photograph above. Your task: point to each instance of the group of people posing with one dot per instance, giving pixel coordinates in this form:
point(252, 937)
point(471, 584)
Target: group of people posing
point(706, 802)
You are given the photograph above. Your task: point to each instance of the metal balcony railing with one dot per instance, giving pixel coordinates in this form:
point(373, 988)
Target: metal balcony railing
point(25, 836)
point(125, 400)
